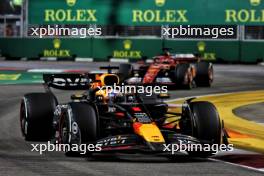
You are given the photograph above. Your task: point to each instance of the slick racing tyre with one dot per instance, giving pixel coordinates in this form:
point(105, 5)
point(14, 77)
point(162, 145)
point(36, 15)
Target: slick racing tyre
point(183, 77)
point(36, 116)
point(79, 125)
point(204, 74)
point(207, 126)
point(125, 71)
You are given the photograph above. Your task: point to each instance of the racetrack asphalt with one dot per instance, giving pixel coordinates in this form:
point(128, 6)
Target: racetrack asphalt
point(17, 159)
point(253, 112)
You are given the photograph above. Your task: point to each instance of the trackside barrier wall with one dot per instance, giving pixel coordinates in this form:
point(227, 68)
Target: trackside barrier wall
point(134, 49)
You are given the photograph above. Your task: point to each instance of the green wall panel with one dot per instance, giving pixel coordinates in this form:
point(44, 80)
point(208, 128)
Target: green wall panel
point(146, 12)
point(102, 49)
point(252, 51)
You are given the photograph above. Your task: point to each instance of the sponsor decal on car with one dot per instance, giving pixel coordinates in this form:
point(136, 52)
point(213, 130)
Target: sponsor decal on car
point(113, 140)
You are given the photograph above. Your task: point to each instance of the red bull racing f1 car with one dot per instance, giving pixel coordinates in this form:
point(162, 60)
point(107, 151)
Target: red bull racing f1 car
point(119, 122)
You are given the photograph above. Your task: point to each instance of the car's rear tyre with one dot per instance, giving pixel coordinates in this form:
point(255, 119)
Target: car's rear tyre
point(207, 126)
point(182, 76)
point(79, 125)
point(125, 71)
point(36, 115)
point(204, 74)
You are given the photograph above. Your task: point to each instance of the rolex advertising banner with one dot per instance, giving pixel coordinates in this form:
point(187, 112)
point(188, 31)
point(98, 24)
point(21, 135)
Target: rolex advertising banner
point(146, 12)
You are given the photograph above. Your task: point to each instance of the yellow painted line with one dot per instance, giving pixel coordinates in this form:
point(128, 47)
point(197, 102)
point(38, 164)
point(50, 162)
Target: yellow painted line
point(244, 133)
point(9, 77)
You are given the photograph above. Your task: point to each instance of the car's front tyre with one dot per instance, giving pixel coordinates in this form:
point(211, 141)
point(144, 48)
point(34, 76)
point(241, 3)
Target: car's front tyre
point(207, 126)
point(78, 125)
point(36, 115)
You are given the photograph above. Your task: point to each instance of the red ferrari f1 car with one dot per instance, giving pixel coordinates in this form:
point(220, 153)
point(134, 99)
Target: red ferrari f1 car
point(178, 70)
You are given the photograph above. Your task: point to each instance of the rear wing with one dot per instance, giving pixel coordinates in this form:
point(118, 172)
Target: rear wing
point(109, 68)
point(67, 81)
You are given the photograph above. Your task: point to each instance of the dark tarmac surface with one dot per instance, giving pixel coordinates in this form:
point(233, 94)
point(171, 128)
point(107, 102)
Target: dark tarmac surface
point(253, 112)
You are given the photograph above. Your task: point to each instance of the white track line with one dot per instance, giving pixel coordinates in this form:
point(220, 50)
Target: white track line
point(206, 95)
point(119, 60)
point(45, 70)
point(238, 152)
point(79, 59)
point(239, 165)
